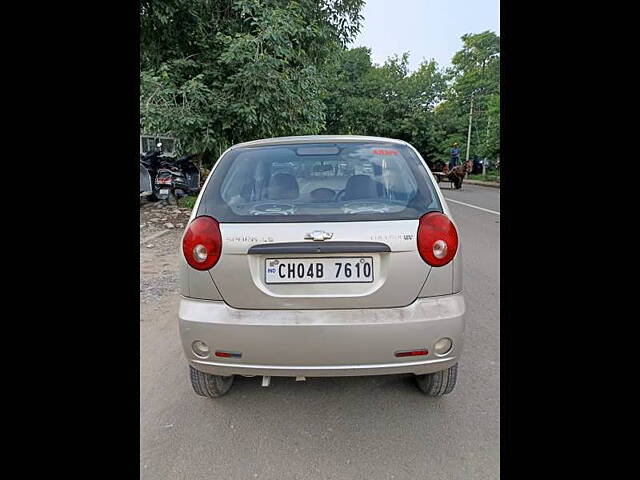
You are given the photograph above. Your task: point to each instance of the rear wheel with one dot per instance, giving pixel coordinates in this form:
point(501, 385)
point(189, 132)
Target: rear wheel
point(438, 383)
point(211, 386)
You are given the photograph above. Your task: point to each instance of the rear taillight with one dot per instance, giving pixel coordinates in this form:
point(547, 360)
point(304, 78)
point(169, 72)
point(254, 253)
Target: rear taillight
point(437, 239)
point(202, 243)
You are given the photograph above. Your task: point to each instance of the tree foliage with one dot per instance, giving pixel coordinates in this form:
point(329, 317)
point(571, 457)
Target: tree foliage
point(428, 107)
point(476, 74)
point(217, 72)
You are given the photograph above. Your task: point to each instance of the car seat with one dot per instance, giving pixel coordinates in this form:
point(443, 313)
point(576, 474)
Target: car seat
point(360, 187)
point(283, 186)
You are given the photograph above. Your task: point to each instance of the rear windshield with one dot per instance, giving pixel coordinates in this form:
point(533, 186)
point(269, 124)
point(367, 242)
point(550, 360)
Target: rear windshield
point(319, 182)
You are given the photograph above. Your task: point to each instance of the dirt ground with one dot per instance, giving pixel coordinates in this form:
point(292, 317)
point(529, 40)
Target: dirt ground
point(159, 255)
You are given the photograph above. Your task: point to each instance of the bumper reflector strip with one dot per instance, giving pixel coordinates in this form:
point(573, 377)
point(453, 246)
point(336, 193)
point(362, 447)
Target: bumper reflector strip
point(228, 354)
point(412, 353)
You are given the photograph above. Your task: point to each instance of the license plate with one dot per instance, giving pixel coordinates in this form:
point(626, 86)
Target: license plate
point(164, 191)
point(319, 270)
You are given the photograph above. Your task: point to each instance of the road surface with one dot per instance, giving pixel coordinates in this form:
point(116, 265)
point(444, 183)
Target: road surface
point(327, 428)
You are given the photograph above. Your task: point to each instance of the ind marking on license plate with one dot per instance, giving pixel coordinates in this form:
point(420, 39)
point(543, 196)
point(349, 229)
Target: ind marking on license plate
point(319, 270)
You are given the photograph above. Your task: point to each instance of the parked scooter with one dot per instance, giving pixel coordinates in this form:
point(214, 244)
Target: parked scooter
point(162, 177)
point(176, 178)
point(149, 164)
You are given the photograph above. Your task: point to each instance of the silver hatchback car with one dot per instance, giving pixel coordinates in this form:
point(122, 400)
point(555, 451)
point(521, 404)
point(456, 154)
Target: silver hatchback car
point(347, 262)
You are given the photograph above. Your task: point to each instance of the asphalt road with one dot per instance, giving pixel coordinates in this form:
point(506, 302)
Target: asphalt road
point(332, 428)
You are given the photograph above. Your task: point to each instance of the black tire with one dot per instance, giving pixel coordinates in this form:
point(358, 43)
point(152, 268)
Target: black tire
point(211, 386)
point(438, 383)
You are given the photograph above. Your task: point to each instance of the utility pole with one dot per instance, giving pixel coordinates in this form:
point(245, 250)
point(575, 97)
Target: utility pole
point(484, 166)
point(469, 132)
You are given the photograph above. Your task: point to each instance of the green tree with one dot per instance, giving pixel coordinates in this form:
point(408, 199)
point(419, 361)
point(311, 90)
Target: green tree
point(349, 96)
point(366, 99)
point(475, 73)
point(216, 72)
point(491, 146)
point(419, 93)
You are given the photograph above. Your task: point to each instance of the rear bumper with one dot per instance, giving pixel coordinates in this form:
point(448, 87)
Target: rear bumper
point(322, 343)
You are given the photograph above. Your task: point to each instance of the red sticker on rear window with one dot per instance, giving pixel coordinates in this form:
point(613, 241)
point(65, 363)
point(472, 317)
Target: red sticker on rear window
point(382, 151)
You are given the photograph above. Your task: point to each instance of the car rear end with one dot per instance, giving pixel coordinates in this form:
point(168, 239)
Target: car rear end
point(352, 272)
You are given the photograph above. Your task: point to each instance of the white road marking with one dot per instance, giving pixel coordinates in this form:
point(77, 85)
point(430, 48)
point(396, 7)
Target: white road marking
point(472, 206)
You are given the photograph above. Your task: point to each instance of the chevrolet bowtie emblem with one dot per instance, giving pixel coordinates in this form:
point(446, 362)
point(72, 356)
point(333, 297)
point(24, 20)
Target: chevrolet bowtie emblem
point(318, 236)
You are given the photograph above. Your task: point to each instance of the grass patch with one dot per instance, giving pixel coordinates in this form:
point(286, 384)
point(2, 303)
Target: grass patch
point(485, 178)
point(187, 202)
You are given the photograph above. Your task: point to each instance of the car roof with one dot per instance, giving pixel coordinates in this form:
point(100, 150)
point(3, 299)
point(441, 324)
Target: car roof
point(317, 139)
